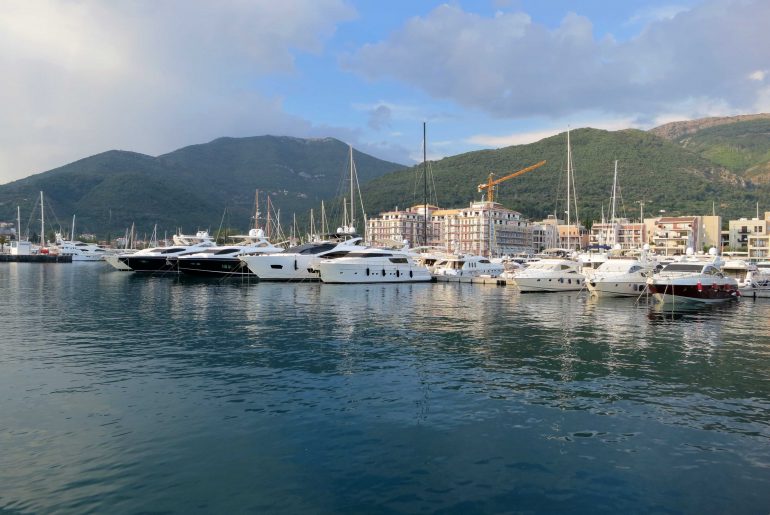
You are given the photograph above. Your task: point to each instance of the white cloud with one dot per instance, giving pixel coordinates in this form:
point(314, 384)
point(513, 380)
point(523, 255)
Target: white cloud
point(525, 137)
point(758, 75)
point(84, 76)
point(511, 67)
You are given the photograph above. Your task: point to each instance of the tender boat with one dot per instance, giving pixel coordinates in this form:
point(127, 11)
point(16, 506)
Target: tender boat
point(300, 263)
point(467, 265)
point(550, 275)
point(691, 281)
point(373, 265)
point(225, 261)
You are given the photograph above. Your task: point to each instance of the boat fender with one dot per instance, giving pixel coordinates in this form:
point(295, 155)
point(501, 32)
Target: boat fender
point(410, 273)
point(398, 273)
point(700, 287)
point(295, 265)
point(714, 286)
point(383, 272)
point(367, 272)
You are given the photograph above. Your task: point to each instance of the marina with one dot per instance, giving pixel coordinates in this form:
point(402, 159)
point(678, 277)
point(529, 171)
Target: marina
point(135, 393)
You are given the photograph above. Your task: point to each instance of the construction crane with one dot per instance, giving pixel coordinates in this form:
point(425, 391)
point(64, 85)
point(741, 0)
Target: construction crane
point(492, 182)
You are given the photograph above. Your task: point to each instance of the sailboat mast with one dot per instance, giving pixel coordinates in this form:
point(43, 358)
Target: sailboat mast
point(42, 221)
point(352, 204)
point(72, 233)
point(614, 192)
point(323, 220)
point(267, 225)
point(256, 210)
point(425, 183)
point(569, 199)
point(18, 223)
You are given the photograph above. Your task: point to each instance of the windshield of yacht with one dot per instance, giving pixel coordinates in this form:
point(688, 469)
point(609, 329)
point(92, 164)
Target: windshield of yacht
point(369, 254)
point(692, 268)
point(621, 266)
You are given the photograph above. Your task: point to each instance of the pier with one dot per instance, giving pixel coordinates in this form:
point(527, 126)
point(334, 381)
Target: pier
point(34, 258)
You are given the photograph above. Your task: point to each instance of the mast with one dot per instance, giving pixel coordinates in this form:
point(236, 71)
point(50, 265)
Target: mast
point(569, 165)
point(345, 213)
point(323, 220)
point(72, 233)
point(352, 204)
point(425, 182)
point(256, 210)
point(18, 223)
point(614, 192)
point(267, 224)
point(42, 221)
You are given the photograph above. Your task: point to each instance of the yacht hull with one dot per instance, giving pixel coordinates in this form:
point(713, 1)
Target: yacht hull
point(616, 288)
point(230, 267)
point(693, 294)
point(547, 285)
point(282, 268)
point(149, 264)
point(337, 273)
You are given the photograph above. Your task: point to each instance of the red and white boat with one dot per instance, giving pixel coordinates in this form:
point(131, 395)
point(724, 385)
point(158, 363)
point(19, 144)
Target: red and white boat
point(692, 281)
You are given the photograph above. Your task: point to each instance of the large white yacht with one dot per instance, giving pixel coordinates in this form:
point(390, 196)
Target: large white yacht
point(550, 275)
point(79, 250)
point(225, 260)
point(373, 265)
point(467, 265)
point(300, 263)
point(693, 281)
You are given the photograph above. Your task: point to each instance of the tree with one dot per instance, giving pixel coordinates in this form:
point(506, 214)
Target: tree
point(3, 241)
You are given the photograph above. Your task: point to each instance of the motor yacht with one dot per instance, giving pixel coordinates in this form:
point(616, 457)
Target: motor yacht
point(79, 250)
point(163, 259)
point(550, 275)
point(467, 265)
point(300, 263)
point(693, 281)
point(373, 265)
point(753, 280)
point(620, 277)
point(225, 260)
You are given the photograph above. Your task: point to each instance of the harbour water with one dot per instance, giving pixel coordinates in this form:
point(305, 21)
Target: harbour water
point(128, 394)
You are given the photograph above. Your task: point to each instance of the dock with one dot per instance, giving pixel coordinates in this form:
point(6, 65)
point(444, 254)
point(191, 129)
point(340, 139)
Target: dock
point(34, 258)
point(494, 281)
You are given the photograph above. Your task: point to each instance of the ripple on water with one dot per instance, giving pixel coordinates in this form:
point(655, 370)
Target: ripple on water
point(160, 394)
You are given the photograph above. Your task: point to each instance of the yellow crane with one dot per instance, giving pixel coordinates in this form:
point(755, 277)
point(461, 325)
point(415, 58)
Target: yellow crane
point(492, 182)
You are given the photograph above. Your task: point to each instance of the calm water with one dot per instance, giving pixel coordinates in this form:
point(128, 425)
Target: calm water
point(128, 394)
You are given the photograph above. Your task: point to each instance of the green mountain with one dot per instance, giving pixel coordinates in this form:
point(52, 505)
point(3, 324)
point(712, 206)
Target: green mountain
point(651, 169)
point(189, 188)
point(740, 143)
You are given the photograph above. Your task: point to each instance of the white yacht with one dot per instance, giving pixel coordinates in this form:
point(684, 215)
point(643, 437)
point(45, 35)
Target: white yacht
point(79, 250)
point(467, 265)
point(226, 260)
point(693, 281)
point(373, 265)
point(300, 263)
point(620, 277)
point(753, 280)
point(550, 275)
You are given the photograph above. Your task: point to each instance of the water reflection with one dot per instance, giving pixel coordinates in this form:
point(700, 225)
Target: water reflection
point(429, 395)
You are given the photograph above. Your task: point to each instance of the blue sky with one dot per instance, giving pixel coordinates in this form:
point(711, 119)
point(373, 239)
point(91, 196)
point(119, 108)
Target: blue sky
point(84, 76)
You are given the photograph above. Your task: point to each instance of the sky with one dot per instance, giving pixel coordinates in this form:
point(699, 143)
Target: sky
point(80, 77)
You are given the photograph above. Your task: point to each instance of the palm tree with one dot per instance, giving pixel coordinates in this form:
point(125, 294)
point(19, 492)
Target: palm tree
point(3, 241)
